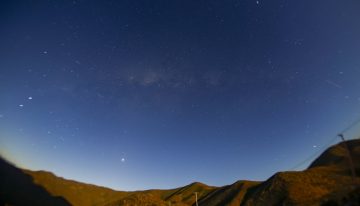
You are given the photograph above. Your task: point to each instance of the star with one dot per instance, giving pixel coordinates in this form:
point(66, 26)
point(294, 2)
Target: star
point(123, 159)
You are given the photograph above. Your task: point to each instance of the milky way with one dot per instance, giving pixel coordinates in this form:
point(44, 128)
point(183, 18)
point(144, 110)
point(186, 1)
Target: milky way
point(157, 94)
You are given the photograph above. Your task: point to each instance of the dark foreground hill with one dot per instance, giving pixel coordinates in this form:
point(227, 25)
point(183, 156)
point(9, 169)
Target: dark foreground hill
point(18, 188)
point(327, 182)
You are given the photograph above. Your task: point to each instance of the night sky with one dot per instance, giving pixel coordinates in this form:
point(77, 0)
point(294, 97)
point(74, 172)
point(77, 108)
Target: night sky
point(157, 94)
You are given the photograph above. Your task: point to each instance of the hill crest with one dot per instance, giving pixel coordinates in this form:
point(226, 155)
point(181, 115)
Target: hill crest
point(327, 179)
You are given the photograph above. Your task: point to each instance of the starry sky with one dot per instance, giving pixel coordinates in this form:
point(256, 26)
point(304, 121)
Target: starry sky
point(137, 94)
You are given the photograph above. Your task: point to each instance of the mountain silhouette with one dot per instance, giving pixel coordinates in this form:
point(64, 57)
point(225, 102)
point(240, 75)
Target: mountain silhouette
point(18, 188)
point(327, 182)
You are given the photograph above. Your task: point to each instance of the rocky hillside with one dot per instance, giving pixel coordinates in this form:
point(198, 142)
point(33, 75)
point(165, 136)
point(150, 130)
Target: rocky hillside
point(327, 181)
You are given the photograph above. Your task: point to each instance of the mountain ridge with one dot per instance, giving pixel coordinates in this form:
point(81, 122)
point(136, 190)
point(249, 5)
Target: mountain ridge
point(327, 180)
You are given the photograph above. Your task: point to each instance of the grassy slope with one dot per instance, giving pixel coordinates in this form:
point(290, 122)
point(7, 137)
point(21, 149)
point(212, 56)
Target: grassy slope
point(328, 178)
point(229, 195)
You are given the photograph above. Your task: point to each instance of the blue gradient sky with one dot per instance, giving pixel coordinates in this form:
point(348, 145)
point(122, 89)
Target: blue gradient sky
point(157, 94)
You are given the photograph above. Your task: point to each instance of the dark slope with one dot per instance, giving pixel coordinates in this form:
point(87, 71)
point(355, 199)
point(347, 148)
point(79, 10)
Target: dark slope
point(18, 188)
point(76, 193)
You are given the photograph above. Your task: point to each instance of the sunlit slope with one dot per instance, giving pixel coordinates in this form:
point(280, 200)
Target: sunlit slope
point(337, 157)
point(230, 195)
point(328, 179)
